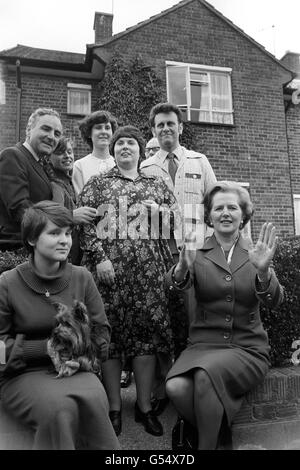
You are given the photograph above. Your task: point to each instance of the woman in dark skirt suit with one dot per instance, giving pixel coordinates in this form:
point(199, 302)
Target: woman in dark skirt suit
point(228, 351)
point(71, 411)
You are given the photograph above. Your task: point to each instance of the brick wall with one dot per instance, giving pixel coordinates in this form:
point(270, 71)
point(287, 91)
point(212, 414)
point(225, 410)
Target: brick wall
point(40, 91)
point(8, 109)
point(293, 129)
point(270, 415)
point(255, 149)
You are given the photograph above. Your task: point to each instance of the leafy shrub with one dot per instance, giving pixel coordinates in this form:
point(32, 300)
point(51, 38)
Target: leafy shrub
point(130, 89)
point(11, 259)
point(283, 323)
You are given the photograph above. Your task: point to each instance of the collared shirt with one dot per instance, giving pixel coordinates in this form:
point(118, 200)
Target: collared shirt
point(164, 154)
point(30, 149)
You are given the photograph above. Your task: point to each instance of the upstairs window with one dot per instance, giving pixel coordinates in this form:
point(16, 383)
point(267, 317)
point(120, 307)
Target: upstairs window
point(79, 99)
point(203, 93)
point(2, 91)
point(297, 213)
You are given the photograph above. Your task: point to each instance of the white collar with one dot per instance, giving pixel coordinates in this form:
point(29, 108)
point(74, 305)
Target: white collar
point(30, 149)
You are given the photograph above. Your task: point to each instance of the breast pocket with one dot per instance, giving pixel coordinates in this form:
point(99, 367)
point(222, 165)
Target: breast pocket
point(193, 183)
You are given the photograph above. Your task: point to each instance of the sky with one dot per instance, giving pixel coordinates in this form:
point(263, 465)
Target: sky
point(67, 25)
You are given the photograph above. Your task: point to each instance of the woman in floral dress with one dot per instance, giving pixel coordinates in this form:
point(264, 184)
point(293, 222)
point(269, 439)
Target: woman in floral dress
point(127, 251)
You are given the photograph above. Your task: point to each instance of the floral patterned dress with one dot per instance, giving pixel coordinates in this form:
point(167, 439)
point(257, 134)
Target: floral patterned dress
point(137, 246)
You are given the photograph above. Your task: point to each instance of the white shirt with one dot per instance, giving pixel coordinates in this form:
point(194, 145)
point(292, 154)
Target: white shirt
point(30, 149)
point(193, 177)
point(89, 166)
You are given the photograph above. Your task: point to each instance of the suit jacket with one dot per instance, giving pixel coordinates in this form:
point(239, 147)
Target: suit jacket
point(193, 177)
point(23, 182)
point(226, 298)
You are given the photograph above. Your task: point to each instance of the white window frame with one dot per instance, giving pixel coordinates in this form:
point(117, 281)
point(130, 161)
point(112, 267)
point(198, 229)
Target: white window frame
point(79, 87)
point(296, 197)
point(246, 232)
point(188, 105)
point(2, 92)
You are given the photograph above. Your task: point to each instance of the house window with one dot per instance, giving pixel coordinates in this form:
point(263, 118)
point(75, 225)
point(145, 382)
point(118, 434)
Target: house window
point(297, 213)
point(79, 99)
point(246, 232)
point(203, 93)
point(2, 91)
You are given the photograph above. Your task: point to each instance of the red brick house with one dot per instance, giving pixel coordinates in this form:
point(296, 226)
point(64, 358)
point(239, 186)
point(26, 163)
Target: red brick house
point(292, 99)
point(230, 88)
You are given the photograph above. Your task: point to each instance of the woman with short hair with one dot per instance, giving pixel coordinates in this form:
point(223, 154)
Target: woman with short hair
point(96, 130)
point(228, 350)
point(69, 412)
point(127, 255)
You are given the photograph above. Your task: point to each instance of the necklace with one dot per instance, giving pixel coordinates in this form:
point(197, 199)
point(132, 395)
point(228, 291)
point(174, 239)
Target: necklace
point(47, 293)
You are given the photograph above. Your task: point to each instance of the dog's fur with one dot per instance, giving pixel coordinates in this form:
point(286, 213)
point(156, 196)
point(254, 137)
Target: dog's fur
point(73, 339)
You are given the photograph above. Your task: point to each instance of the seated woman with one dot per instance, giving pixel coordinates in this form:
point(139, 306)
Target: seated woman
point(130, 264)
point(228, 351)
point(71, 411)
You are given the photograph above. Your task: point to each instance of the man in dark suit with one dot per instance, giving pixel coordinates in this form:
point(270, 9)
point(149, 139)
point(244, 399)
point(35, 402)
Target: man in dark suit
point(23, 180)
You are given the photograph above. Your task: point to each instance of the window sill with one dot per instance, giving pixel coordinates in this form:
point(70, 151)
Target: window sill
point(197, 123)
point(76, 115)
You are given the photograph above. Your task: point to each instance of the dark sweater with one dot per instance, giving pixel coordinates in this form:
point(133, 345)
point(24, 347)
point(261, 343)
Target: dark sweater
point(27, 312)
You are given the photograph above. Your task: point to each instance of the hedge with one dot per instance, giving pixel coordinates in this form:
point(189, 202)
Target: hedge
point(282, 323)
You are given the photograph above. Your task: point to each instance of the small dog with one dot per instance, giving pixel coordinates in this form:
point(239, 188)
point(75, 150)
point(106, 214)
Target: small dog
point(72, 344)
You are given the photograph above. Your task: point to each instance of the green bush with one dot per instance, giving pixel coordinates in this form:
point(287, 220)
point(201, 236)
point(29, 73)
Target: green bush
point(11, 259)
point(283, 323)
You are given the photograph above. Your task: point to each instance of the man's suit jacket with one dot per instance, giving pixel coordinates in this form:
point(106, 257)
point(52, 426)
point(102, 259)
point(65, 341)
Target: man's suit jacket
point(193, 177)
point(23, 182)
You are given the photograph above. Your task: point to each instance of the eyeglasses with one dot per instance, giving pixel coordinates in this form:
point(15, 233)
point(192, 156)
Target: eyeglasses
point(152, 149)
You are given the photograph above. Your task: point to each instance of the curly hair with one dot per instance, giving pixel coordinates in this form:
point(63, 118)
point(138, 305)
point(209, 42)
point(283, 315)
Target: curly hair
point(165, 108)
point(98, 117)
point(132, 132)
point(228, 187)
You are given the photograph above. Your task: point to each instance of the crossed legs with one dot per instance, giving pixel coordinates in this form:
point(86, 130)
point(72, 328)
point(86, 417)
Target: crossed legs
point(195, 398)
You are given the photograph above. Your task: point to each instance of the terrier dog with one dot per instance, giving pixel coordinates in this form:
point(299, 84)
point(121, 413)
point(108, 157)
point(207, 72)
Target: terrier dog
point(72, 344)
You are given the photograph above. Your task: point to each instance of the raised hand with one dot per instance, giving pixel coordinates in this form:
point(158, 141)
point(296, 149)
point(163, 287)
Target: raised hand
point(261, 254)
point(187, 256)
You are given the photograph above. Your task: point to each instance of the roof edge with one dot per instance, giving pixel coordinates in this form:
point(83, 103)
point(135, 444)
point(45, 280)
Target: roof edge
point(182, 4)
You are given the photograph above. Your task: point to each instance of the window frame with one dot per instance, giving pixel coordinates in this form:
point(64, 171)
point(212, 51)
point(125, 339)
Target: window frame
point(246, 232)
point(188, 105)
point(296, 217)
point(79, 87)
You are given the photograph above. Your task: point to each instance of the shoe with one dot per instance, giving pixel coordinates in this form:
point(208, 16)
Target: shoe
point(116, 420)
point(159, 405)
point(149, 421)
point(125, 378)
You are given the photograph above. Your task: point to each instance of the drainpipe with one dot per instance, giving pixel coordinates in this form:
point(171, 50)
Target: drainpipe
point(19, 92)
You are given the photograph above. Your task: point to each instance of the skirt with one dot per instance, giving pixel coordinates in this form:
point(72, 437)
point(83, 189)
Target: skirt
point(65, 413)
point(233, 371)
